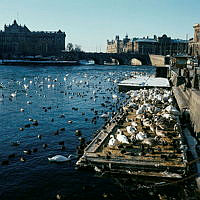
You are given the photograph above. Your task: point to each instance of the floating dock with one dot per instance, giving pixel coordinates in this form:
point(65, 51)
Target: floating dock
point(155, 148)
point(140, 82)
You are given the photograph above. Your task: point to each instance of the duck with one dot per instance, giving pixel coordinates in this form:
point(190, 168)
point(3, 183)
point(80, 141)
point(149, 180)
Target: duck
point(1, 98)
point(14, 94)
point(21, 110)
point(114, 96)
point(60, 158)
point(16, 143)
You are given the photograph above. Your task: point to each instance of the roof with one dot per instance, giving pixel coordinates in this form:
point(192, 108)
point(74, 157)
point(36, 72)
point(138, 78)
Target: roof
point(146, 81)
point(147, 40)
point(179, 41)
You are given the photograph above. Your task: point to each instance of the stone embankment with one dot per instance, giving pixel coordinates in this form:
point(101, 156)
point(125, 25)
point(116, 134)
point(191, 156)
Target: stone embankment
point(188, 99)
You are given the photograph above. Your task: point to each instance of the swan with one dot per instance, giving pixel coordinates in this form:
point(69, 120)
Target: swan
point(141, 136)
point(60, 158)
point(172, 110)
point(112, 141)
point(131, 129)
point(148, 141)
point(134, 124)
point(122, 138)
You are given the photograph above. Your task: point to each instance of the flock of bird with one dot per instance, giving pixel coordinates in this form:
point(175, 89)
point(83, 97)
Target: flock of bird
point(48, 95)
point(155, 116)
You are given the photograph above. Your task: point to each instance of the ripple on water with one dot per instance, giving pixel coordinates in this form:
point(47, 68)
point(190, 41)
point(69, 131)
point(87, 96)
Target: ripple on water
point(85, 88)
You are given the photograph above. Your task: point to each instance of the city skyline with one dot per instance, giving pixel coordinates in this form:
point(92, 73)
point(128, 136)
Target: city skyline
point(90, 23)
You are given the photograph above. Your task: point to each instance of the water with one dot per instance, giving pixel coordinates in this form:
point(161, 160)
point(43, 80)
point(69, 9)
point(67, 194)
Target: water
point(62, 94)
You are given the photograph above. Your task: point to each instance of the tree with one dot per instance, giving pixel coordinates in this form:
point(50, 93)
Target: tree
point(77, 48)
point(70, 47)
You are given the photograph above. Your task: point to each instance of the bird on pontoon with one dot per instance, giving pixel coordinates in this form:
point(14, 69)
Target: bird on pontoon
point(134, 124)
point(141, 136)
point(122, 138)
point(131, 129)
point(112, 141)
point(172, 110)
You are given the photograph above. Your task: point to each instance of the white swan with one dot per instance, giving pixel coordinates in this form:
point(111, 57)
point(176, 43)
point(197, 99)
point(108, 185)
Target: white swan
point(60, 158)
point(122, 138)
point(172, 110)
point(131, 130)
point(134, 124)
point(141, 136)
point(112, 141)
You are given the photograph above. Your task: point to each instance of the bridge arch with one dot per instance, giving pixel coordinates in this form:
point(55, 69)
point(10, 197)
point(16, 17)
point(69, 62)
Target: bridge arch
point(99, 58)
point(117, 60)
point(135, 61)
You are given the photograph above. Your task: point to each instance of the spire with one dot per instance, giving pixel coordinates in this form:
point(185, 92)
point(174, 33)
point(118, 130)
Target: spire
point(15, 22)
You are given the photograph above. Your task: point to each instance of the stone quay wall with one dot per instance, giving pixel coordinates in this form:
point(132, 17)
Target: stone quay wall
point(188, 98)
point(194, 106)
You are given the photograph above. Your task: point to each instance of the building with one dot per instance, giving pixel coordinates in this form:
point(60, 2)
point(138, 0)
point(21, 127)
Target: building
point(17, 40)
point(115, 46)
point(146, 46)
point(168, 46)
point(163, 45)
point(194, 44)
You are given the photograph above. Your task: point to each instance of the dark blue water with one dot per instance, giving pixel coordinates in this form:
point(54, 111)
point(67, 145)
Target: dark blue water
point(53, 93)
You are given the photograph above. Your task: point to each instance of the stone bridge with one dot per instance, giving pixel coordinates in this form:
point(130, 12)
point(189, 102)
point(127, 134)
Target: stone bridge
point(101, 58)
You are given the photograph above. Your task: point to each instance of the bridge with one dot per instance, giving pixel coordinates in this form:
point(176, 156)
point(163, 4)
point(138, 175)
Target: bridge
point(101, 58)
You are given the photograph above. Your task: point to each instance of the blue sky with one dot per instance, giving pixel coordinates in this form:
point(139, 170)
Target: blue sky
point(90, 23)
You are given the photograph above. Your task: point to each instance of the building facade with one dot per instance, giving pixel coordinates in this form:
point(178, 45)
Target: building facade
point(17, 40)
point(146, 46)
point(194, 44)
point(163, 45)
point(115, 46)
point(168, 46)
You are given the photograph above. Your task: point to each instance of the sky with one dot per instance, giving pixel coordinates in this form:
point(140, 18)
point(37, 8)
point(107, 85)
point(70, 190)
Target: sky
point(90, 23)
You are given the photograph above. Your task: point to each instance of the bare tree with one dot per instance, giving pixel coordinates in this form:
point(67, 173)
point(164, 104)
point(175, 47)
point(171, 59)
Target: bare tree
point(77, 48)
point(70, 47)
